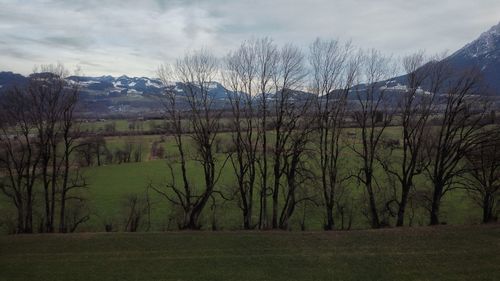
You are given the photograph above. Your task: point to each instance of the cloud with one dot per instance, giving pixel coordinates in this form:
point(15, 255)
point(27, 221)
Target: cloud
point(134, 37)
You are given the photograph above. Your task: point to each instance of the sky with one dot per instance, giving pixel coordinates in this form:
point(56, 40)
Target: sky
point(135, 37)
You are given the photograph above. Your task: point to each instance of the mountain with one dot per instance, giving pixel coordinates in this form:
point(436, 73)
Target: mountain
point(119, 86)
point(483, 53)
point(117, 95)
point(10, 79)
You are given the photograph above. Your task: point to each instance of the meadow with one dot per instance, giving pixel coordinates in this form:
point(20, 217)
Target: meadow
point(110, 185)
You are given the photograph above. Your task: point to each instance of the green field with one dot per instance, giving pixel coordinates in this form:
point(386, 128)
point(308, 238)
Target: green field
point(110, 185)
point(422, 253)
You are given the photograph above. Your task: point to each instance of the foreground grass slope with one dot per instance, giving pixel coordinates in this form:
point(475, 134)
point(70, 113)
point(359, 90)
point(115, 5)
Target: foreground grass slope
point(425, 253)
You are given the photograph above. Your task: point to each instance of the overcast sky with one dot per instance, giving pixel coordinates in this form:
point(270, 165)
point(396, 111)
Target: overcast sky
point(134, 37)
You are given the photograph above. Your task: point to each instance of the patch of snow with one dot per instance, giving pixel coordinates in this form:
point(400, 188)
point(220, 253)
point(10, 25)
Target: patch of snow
point(170, 83)
point(151, 84)
point(89, 82)
point(133, 92)
point(212, 85)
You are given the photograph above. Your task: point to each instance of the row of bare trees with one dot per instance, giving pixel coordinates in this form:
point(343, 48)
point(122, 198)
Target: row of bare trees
point(196, 72)
point(306, 130)
point(38, 136)
point(289, 139)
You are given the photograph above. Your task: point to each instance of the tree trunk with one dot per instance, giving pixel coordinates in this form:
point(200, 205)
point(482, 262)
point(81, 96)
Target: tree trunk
point(402, 206)
point(375, 222)
point(263, 192)
point(193, 223)
point(28, 221)
point(330, 223)
point(47, 208)
point(263, 207)
point(62, 213)
point(53, 189)
point(98, 156)
point(488, 203)
point(275, 199)
point(247, 219)
point(436, 202)
point(245, 207)
point(20, 218)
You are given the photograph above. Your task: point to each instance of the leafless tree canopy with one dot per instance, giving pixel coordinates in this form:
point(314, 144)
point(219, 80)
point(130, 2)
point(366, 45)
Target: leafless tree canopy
point(482, 178)
point(39, 133)
point(457, 132)
point(334, 67)
point(196, 72)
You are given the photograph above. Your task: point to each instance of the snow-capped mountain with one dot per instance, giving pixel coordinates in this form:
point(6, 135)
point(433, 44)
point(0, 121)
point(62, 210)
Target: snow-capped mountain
point(483, 53)
point(108, 94)
point(487, 46)
point(119, 86)
point(114, 86)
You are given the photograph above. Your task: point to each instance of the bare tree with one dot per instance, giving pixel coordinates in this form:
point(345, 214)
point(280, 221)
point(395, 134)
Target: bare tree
point(41, 130)
point(415, 106)
point(289, 106)
point(20, 156)
point(77, 213)
point(457, 133)
point(55, 102)
point(239, 77)
point(372, 115)
point(173, 113)
point(333, 71)
point(196, 72)
point(295, 168)
point(136, 209)
point(47, 89)
point(482, 178)
point(93, 148)
point(267, 60)
point(69, 179)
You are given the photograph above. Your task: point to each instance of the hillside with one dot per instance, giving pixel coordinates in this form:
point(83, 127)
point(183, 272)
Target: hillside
point(483, 53)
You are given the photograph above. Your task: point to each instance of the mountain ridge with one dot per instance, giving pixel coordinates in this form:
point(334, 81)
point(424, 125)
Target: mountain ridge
point(482, 53)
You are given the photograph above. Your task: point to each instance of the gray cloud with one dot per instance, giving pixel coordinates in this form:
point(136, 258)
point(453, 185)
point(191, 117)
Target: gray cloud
point(134, 37)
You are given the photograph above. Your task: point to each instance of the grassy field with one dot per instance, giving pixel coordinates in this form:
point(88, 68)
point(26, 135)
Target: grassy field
point(423, 253)
point(110, 185)
point(121, 125)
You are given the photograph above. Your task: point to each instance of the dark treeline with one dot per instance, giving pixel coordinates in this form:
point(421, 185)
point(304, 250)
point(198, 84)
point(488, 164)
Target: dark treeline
point(304, 128)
